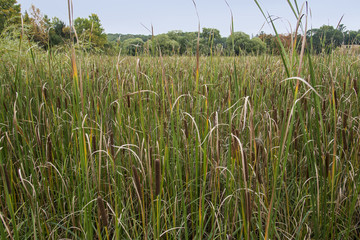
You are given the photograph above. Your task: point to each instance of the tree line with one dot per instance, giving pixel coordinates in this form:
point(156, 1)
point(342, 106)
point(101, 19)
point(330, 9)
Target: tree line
point(91, 36)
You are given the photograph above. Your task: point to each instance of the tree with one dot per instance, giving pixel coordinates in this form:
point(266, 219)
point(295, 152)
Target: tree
point(271, 43)
point(209, 38)
point(58, 32)
point(165, 43)
point(210, 34)
point(132, 46)
point(237, 42)
point(357, 39)
point(325, 38)
point(91, 31)
point(39, 25)
point(257, 46)
point(350, 37)
point(241, 43)
point(186, 40)
point(9, 13)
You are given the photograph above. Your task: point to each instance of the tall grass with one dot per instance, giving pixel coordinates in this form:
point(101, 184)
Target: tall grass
point(174, 147)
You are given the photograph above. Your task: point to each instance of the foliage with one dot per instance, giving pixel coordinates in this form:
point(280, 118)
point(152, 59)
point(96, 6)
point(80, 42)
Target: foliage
point(90, 31)
point(186, 40)
point(39, 26)
point(58, 32)
point(115, 37)
point(243, 44)
point(325, 38)
point(165, 44)
point(132, 46)
point(209, 39)
point(9, 13)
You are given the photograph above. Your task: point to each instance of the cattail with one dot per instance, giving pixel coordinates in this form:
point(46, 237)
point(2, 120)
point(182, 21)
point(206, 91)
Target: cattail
point(323, 108)
point(248, 206)
point(58, 103)
point(137, 180)
point(114, 109)
point(336, 100)
point(128, 100)
point(98, 108)
point(103, 213)
point(112, 149)
point(157, 177)
point(45, 93)
point(345, 117)
point(8, 184)
point(327, 163)
point(49, 148)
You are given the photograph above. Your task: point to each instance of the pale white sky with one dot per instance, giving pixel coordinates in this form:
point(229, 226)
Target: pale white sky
point(125, 16)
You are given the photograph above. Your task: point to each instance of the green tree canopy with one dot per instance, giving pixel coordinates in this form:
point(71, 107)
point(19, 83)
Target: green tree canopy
point(209, 38)
point(257, 46)
point(165, 43)
point(9, 13)
point(132, 46)
point(186, 40)
point(39, 25)
point(210, 34)
point(91, 31)
point(58, 32)
point(241, 43)
point(351, 37)
point(325, 38)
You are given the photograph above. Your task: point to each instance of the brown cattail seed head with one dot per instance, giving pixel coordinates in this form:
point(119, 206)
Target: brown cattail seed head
point(336, 99)
point(136, 180)
point(327, 163)
point(7, 180)
point(103, 213)
point(128, 101)
point(112, 149)
point(49, 148)
point(58, 103)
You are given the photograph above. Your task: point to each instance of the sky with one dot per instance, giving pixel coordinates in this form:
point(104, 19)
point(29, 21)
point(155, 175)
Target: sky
point(137, 16)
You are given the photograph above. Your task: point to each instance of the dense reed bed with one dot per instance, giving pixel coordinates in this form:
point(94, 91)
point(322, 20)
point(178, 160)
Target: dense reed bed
point(144, 148)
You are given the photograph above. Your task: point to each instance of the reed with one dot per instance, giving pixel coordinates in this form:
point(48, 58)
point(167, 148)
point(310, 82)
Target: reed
point(267, 146)
point(102, 212)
